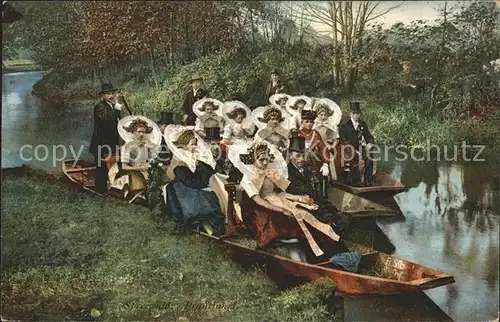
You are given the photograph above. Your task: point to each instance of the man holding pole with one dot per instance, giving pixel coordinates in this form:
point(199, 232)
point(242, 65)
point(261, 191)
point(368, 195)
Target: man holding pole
point(105, 138)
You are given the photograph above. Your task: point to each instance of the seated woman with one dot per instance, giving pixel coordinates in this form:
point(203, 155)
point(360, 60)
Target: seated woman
point(239, 124)
point(328, 116)
point(294, 107)
point(279, 215)
point(208, 112)
point(142, 144)
point(188, 197)
point(273, 127)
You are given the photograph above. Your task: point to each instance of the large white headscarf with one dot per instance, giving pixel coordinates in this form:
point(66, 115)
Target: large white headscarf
point(202, 153)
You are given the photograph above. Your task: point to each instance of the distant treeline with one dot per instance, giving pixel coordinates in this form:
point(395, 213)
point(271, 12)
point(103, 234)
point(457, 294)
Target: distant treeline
point(148, 43)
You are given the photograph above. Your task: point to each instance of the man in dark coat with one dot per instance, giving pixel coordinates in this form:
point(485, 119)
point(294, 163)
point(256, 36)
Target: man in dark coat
point(356, 133)
point(275, 86)
point(194, 95)
point(166, 118)
point(105, 138)
point(303, 182)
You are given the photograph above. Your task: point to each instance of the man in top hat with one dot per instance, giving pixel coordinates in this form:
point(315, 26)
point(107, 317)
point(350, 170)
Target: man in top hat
point(303, 182)
point(318, 155)
point(105, 138)
point(275, 86)
point(166, 118)
point(356, 133)
point(195, 94)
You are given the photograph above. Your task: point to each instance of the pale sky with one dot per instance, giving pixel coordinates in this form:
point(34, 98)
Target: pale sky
point(408, 12)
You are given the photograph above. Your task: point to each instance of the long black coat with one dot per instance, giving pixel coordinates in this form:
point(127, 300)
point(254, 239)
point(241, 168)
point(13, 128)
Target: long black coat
point(352, 136)
point(189, 100)
point(280, 88)
point(105, 129)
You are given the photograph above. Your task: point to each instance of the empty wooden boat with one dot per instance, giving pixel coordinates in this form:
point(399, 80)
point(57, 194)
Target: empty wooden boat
point(382, 192)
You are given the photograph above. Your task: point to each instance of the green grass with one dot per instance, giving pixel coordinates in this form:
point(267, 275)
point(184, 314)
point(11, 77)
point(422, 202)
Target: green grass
point(68, 255)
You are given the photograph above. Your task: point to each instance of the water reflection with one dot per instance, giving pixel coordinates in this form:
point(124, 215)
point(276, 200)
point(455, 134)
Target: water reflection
point(452, 224)
point(26, 120)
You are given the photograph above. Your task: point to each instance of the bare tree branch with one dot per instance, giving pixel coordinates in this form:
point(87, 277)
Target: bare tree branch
point(368, 19)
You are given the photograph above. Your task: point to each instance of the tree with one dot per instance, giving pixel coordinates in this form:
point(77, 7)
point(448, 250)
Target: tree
point(348, 23)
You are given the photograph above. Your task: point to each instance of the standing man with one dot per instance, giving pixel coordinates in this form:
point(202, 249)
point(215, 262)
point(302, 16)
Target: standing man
point(195, 94)
point(356, 133)
point(105, 138)
point(275, 86)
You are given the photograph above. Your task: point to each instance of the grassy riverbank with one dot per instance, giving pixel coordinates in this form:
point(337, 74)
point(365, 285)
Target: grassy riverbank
point(19, 65)
point(76, 256)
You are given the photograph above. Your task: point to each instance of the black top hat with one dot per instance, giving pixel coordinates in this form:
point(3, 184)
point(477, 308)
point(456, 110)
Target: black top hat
point(307, 115)
point(107, 88)
point(355, 107)
point(297, 144)
point(212, 134)
point(166, 118)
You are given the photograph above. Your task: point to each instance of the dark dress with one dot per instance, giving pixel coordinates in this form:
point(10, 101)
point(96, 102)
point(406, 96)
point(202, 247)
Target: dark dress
point(189, 100)
point(188, 204)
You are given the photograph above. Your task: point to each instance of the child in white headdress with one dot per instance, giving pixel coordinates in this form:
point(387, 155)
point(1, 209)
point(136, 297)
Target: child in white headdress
point(294, 107)
point(208, 112)
point(239, 125)
point(273, 126)
point(328, 116)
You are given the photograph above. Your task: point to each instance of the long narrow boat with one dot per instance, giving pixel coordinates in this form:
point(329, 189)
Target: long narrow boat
point(381, 274)
point(382, 192)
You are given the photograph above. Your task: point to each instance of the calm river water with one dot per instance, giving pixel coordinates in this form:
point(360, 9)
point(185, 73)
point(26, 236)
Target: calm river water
point(452, 210)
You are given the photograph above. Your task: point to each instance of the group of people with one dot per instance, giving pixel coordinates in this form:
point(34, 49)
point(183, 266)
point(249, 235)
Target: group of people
point(281, 155)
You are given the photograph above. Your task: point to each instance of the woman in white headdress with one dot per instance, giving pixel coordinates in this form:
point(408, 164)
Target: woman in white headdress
point(265, 172)
point(239, 125)
point(294, 107)
point(208, 112)
point(273, 126)
point(142, 144)
point(280, 101)
point(328, 117)
point(189, 199)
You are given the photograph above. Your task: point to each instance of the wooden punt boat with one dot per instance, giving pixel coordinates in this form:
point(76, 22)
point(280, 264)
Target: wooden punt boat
point(382, 274)
point(384, 188)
